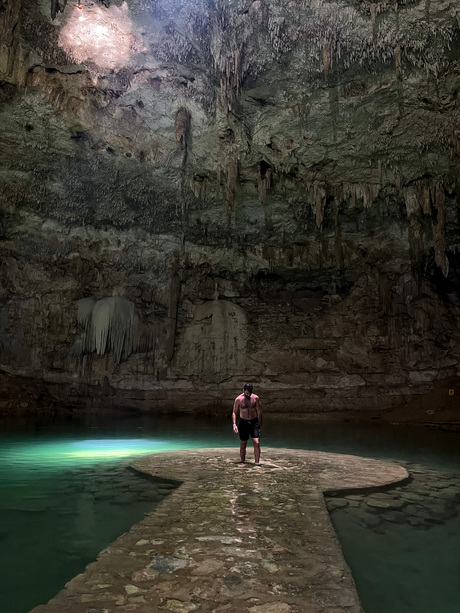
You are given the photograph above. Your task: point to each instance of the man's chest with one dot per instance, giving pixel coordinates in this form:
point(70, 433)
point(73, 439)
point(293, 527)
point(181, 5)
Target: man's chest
point(247, 403)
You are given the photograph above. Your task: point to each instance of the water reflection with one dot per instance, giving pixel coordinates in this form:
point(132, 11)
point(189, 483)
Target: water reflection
point(66, 494)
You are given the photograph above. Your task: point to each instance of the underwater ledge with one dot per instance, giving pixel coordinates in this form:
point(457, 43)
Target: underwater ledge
point(232, 537)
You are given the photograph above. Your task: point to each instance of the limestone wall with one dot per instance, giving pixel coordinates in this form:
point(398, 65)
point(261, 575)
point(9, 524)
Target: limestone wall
point(248, 191)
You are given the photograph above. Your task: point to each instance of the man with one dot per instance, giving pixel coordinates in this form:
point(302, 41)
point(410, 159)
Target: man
point(247, 405)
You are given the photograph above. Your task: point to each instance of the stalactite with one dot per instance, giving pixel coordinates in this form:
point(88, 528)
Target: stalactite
point(427, 9)
point(85, 310)
point(227, 35)
point(413, 210)
point(199, 185)
point(373, 10)
point(338, 248)
point(317, 197)
point(424, 196)
point(145, 336)
point(318, 193)
point(455, 145)
point(11, 46)
point(439, 203)
point(398, 61)
point(423, 193)
point(174, 294)
point(232, 77)
point(411, 201)
point(232, 176)
point(108, 327)
point(182, 126)
point(182, 123)
point(264, 180)
point(367, 192)
point(385, 289)
point(57, 6)
point(120, 337)
point(327, 58)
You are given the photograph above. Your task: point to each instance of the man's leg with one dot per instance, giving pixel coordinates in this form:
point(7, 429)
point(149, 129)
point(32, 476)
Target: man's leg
point(243, 445)
point(256, 443)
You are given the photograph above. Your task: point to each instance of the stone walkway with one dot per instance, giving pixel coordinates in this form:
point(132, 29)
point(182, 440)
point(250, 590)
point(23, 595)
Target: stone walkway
point(233, 537)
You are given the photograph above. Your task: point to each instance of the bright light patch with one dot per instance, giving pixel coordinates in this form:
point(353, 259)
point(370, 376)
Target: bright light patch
point(65, 454)
point(112, 448)
point(99, 35)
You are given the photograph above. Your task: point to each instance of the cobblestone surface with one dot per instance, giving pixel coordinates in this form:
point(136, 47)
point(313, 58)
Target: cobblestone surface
point(232, 537)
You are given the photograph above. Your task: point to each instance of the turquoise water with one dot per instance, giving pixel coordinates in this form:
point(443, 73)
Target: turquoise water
point(67, 493)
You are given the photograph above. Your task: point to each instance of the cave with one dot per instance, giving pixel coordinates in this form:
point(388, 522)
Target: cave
point(198, 194)
point(244, 191)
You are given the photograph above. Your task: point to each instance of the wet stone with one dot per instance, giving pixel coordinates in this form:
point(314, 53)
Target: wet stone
point(248, 569)
point(168, 565)
point(368, 519)
point(231, 582)
point(178, 606)
point(271, 607)
point(207, 566)
point(216, 542)
point(225, 540)
point(132, 589)
point(338, 503)
point(412, 496)
point(336, 597)
point(447, 494)
point(125, 499)
point(396, 517)
point(418, 522)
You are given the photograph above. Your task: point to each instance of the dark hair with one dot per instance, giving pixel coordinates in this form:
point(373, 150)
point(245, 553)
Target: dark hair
point(249, 387)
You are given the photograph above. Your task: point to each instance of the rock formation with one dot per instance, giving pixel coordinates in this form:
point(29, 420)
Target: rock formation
point(199, 193)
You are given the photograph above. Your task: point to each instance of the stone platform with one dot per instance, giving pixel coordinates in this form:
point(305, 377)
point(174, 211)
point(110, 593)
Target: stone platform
point(232, 537)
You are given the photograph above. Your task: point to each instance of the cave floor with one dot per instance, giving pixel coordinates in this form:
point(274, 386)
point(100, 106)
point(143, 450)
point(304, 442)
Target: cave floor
point(232, 537)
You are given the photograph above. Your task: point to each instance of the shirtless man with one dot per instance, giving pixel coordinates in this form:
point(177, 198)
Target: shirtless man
point(248, 406)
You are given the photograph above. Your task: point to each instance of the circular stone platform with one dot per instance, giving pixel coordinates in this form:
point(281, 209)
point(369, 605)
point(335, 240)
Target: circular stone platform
point(232, 538)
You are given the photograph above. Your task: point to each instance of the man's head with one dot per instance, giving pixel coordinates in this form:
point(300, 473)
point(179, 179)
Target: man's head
point(247, 389)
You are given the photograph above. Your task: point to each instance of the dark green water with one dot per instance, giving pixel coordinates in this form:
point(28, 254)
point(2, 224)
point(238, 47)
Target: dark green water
point(66, 493)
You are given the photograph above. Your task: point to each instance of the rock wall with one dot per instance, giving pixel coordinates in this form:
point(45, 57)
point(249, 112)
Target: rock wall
point(194, 195)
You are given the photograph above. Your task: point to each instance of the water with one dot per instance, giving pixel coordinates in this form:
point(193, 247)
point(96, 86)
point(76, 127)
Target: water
point(67, 493)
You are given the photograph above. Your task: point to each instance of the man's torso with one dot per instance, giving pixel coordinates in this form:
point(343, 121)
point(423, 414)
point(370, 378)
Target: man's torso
point(247, 406)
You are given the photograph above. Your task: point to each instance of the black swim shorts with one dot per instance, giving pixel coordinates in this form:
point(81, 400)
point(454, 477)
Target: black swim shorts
point(248, 428)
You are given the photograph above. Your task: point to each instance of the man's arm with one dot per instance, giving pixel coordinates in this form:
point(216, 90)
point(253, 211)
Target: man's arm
point(259, 410)
point(236, 407)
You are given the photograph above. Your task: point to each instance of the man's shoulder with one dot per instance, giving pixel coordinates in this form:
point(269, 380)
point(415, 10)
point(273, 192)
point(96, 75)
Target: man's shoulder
point(256, 397)
point(240, 397)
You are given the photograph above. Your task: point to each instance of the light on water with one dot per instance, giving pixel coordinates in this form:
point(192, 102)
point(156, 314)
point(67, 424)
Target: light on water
point(63, 500)
point(114, 447)
point(111, 449)
point(67, 493)
point(79, 452)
